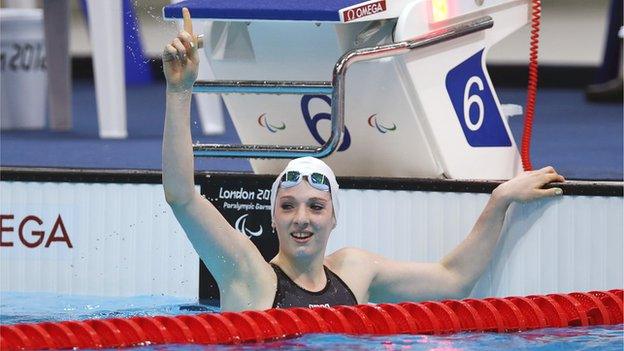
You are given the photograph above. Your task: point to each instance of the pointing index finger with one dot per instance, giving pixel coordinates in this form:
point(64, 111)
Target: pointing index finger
point(186, 16)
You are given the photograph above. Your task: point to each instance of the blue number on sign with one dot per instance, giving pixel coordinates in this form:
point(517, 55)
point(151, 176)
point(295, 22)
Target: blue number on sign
point(312, 122)
point(474, 104)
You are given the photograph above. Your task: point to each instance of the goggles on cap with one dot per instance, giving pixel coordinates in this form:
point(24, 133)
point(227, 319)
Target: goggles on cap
point(316, 180)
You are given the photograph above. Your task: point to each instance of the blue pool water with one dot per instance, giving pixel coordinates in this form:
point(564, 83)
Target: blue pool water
point(38, 307)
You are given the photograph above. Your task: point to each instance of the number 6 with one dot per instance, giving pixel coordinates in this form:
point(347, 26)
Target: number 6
point(473, 99)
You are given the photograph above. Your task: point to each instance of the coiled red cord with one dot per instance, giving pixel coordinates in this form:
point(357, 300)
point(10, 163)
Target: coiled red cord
point(536, 15)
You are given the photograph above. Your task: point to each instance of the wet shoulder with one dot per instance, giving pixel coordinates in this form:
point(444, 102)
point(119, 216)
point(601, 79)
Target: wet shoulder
point(355, 266)
point(348, 254)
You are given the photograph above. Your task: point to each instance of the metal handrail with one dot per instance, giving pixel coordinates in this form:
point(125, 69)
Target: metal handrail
point(336, 88)
point(262, 87)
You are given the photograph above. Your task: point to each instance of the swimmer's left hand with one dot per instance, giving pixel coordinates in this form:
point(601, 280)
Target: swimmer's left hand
point(528, 186)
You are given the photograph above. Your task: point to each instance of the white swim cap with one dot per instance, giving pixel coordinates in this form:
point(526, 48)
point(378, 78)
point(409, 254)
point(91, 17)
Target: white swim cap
point(308, 165)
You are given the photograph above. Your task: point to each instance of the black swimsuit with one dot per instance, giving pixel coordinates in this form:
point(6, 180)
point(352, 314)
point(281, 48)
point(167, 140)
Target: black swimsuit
point(289, 294)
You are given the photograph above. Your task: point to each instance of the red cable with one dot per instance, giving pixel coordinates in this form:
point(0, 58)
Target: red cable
point(536, 15)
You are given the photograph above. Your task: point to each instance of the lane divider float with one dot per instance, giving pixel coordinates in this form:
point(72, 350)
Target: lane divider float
point(509, 314)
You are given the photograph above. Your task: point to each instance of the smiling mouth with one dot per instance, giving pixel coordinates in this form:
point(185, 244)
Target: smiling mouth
point(301, 236)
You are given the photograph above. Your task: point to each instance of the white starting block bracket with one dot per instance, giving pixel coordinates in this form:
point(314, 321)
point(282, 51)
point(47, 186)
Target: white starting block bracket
point(430, 112)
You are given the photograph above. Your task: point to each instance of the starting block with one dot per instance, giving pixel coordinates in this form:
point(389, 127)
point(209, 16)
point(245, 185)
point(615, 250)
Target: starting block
point(417, 100)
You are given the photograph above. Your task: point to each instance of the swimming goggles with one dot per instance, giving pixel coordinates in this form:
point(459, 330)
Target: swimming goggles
point(316, 180)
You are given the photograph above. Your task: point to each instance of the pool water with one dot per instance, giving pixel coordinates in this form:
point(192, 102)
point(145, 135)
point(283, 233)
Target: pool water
point(38, 307)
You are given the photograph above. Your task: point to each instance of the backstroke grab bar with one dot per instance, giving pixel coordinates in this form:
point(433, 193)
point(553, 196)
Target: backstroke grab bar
point(336, 88)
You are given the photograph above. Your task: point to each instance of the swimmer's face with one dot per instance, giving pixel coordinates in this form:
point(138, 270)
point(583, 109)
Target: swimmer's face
point(304, 217)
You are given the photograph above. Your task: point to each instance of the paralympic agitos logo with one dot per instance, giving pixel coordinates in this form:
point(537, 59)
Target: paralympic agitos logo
point(383, 128)
point(241, 226)
point(273, 128)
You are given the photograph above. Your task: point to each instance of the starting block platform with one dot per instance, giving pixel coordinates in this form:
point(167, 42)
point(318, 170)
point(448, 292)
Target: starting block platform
point(417, 100)
point(285, 10)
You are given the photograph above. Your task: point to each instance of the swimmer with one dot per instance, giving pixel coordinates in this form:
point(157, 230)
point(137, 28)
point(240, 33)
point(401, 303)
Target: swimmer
point(304, 209)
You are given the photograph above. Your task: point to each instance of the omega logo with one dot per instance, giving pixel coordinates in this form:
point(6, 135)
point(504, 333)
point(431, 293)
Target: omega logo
point(35, 237)
point(364, 10)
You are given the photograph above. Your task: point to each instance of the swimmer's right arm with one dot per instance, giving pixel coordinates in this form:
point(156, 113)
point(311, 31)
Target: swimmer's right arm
point(227, 253)
point(180, 66)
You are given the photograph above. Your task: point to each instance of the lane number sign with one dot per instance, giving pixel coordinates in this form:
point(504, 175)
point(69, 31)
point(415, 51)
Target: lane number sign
point(474, 104)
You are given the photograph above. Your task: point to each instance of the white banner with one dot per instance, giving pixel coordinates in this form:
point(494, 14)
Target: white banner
point(97, 239)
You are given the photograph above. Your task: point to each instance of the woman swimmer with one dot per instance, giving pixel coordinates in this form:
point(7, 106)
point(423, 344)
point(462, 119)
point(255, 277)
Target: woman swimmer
point(304, 202)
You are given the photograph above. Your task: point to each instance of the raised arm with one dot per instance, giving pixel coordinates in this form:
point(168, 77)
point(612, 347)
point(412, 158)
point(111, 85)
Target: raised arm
point(180, 66)
point(455, 275)
point(229, 256)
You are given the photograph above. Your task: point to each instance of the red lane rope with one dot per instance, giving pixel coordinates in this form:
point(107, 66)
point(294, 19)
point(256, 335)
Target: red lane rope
point(525, 154)
point(431, 317)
